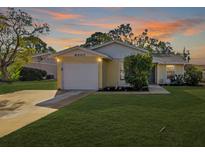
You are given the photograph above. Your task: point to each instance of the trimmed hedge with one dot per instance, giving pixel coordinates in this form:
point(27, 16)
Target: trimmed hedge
point(31, 74)
point(193, 75)
point(137, 69)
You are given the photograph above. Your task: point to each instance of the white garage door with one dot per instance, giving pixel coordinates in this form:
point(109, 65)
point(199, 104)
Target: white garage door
point(80, 76)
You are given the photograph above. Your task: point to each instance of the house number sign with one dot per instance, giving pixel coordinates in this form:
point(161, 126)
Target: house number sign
point(79, 54)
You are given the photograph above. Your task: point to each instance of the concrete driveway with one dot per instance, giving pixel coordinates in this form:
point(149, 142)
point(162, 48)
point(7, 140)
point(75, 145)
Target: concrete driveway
point(20, 108)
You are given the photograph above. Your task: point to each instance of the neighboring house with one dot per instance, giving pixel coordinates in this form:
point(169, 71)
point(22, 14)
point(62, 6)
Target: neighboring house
point(44, 61)
point(102, 66)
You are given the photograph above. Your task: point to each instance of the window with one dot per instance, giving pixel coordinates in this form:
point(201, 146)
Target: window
point(170, 71)
point(122, 73)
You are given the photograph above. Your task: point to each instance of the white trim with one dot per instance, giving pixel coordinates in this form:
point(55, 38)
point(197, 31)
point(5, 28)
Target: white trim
point(41, 63)
point(80, 48)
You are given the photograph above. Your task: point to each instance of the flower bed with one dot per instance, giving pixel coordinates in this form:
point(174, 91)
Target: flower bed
point(123, 88)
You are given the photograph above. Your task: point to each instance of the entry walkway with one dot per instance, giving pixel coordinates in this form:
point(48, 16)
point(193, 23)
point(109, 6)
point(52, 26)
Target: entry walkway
point(64, 99)
point(156, 89)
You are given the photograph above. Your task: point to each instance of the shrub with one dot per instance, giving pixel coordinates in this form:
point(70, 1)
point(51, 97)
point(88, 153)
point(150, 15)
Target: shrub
point(178, 80)
point(30, 74)
point(137, 69)
point(193, 75)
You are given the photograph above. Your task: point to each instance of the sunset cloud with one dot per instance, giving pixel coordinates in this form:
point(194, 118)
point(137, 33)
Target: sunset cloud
point(71, 26)
point(195, 30)
point(61, 43)
point(101, 25)
point(166, 29)
point(69, 30)
point(59, 15)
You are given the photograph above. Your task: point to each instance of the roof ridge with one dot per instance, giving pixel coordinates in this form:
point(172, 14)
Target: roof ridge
point(119, 42)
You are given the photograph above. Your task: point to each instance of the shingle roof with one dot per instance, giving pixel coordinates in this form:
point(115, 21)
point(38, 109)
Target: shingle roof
point(168, 59)
point(42, 54)
point(118, 42)
point(157, 58)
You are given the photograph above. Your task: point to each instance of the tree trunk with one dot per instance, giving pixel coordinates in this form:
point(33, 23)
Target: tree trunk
point(5, 73)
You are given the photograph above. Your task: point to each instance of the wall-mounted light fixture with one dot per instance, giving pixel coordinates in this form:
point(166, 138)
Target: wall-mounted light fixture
point(99, 59)
point(58, 60)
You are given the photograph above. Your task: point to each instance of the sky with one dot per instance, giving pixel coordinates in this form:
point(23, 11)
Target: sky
point(183, 27)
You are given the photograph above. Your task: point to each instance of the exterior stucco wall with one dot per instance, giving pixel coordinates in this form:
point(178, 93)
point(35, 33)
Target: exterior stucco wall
point(179, 69)
point(59, 75)
point(76, 60)
point(111, 73)
point(162, 72)
point(49, 68)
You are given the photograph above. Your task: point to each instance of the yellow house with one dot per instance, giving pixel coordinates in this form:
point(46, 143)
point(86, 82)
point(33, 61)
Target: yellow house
point(102, 66)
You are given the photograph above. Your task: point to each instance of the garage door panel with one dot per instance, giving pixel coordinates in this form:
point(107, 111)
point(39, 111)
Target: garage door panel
point(80, 76)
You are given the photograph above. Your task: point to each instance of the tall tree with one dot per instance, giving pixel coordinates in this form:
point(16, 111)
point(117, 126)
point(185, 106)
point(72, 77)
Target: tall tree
point(122, 33)
point(186, 55)
point(152, 44)
point(142, 40)
point(16, 29)
point(39, 45)
point(96, 39)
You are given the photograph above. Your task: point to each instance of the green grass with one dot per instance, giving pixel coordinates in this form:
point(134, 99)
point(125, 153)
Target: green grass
point(27, 85)
point(121, 120)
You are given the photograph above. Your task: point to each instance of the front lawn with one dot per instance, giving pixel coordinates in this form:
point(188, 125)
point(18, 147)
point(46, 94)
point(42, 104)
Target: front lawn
point(27, 85)
point(177, 119)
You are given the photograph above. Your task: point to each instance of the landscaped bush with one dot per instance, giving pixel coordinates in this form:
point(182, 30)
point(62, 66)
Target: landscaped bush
point(123, 88)
point(31, 74)
point(137, 69)
point(193, 75)
point(178, 80)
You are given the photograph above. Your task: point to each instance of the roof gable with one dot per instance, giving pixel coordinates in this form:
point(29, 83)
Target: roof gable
point(120, 43)
point(79, 50)
point(118, 50)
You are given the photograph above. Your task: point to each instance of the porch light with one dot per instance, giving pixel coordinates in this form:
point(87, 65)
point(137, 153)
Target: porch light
point(58, 60)
point(99, 59)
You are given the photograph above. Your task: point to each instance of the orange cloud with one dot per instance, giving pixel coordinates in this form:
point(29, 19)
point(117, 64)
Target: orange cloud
point(59, 15)
point(101, 25)
point(69, 30)
point(163, 30)
point(60, 43)
point(194, 30)
point(166, 29)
